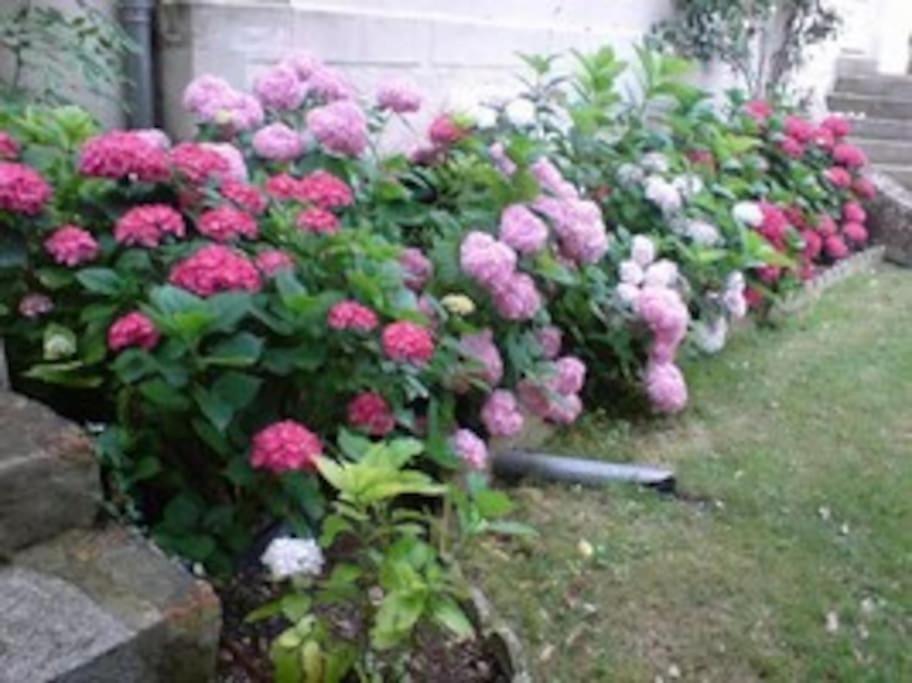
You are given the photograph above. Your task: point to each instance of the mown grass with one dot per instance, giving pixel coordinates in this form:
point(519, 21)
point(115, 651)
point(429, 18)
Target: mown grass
point(796, 458)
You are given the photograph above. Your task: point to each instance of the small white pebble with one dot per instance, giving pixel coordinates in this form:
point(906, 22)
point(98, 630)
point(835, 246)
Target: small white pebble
point(674, 671)
point(832, 622)
point(824, 513)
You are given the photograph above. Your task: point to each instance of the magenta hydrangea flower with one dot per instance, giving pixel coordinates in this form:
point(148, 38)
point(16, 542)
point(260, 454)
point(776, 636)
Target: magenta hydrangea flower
point(489, 262)
point(759, 110)
point(147, 225)
point(800, 129)
point(278, 142)
point(417, 269)
point(284, 447)
point(325, 190)
point(351, 315)
point(501, 415)
point(839, 177)
point(272, 261)
point(399, 96)
point(9, 148)
point(549, 340)
point(226, 224)
point(856, 233)
point(318, 221)
point(407, 342)
point(197, 163)
point(22, 189)
point(849, 156)
point(835, 247)
point(839, 126)
point(665, 387)
point(469, 448)
point(864, 188)
point(244, 196)
point(340, 127)
point(215, 268)
point(522, 229)
point(71, 246)
point(480, 350)
point(444, 131)
point(853, 212)
point(370, 413)
point(792, 148)
point(517, 298)
point(235, 166)
point(133, 329)
point(279, 88)
point(123, 154)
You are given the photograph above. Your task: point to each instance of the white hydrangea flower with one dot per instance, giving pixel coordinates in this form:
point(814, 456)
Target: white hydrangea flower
point(703, 233)
point(688, 185)
point(663, 194)
point(735, 281)
point(521, 113)
point(748, 213)
point(656, 162)
point(735, 303)
point(642, 250)
point(629, 175)
point(484, 117)
point(663, 273)
point(627, 293)
point(630, 272)
point(710, 336)
point(289, 557)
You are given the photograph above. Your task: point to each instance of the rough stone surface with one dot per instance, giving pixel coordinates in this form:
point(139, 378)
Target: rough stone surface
point(140, 616)
point(49, 479)
point(890, 219)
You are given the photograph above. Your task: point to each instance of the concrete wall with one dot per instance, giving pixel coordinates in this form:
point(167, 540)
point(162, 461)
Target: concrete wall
point(107, 110)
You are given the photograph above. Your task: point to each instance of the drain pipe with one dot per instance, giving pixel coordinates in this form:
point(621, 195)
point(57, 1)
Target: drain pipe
point(136, 19)
point(517, 464)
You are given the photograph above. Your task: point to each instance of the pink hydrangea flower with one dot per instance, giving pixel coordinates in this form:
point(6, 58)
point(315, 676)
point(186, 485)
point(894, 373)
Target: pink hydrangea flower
point(758, 110)
point(417, 269)
point(215, 268)
point(849, 156)
point(318, 221)
point(272, 261)
point(279, 88)
point(564, 410)
point(278, 142)
point(34, 305)
point(325, 190)
point(813, 244)
point(584, 239)
point(824, 138)
point(826, 225)
point(666, 388)
point(350, 315)
point(569, 376)
point(71, 246)
point(792, 148)
point(147, 225)
point(444, 131)
point(769, 275)
point(855, 233)
point(864, 188)
point(196, 163)
point(399, 96)
point(123, 154)
point(517, 298)
point(133, 329)
point(284, 447)
point(550, 179)
point(501, 160)
point(236, 167)
point(522, 229)
point(480, 349)
point(328, 84)
point(9, 148)
point(370, 413)
point(340, 127)
point(549, 341)
point(22, 189)
point(283, 186)
point(470, 448)
point(407, 342)
point(838, 176)
point(244, 196)
point(775, 223)
point(486, 260)
point(226, 224)
point(853, 212)
point(304, 63)
point(501, 415)
point(835, 247)
point(839, 126)
point(800, 129)
point(666, 315)
point(155, 137)
point(212, 100)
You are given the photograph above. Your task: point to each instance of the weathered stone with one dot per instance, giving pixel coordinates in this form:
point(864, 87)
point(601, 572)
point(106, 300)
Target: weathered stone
point(890, 218)
point(161, 623)
point(49, 479)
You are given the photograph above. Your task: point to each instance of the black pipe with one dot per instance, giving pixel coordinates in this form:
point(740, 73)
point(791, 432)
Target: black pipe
point(136, 19)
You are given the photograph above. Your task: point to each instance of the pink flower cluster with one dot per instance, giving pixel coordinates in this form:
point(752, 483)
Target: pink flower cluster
point(285, 446)
point(22, 189)
point(351, 315)
point(340, 127)
point(370, 413)
point(417, 269)
point(212, 100)
point(501, 414)
point(398, 96)
point(236, 167)
point(665, 387)
point(133, 329)
point(484, 361)
point(244, 196)
point(147, 225)
point(492, 264)
point(197, 164)
point(215, 268)
point(70, 245)
point(469, 448)
point(278, 142)
point(9, 148)
point(522, 229)
point(666, 316)
point(280, 88)
point(34, 305)
point(124, 154)
point(226, 224)
point(318, 221)
point(407, 342)
point(272, 261)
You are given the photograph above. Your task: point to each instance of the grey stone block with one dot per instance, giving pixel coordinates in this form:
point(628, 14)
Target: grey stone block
point(885, 129)
point(890, 218)
point(893, 87)
point(901, 173)
point(897, 152)
point(872, 105)
point(105, 606)
point(49, 479)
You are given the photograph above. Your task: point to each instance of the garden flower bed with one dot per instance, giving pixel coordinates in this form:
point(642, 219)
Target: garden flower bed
point(284, 332)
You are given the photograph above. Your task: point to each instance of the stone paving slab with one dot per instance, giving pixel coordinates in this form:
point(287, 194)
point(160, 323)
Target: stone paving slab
point(49, 479)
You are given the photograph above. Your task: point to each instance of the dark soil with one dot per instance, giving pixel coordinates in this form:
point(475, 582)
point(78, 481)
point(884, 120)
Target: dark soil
point(244, 647)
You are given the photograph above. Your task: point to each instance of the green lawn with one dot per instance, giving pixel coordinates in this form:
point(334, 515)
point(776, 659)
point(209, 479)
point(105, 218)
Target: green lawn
point(790, 556)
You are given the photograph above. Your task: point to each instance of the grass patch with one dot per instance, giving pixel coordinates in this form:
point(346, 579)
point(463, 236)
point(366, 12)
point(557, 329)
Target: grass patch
point(798, 447)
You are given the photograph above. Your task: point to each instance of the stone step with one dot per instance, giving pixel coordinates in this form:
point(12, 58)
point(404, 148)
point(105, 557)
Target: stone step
point(856, 66)
point(49, 479)
point(884, 129)
point(885, 151)
point(104, 606)
point(891, 87)
point(901, 173)
point(875, 107)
